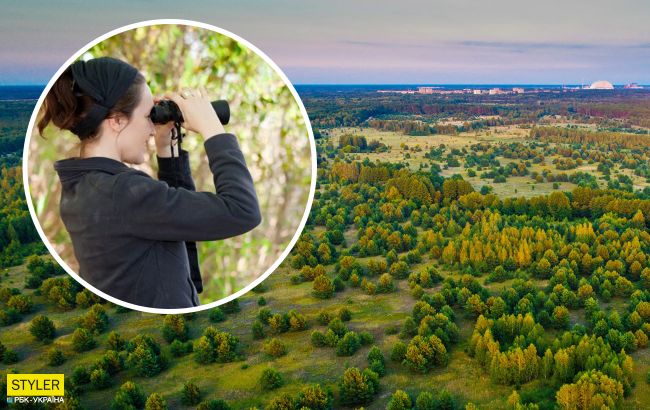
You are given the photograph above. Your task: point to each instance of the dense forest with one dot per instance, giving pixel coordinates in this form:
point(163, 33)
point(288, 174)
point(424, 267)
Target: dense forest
point(411, 286)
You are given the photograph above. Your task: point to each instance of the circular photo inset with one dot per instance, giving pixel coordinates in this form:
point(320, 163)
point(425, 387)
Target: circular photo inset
point(169, 166)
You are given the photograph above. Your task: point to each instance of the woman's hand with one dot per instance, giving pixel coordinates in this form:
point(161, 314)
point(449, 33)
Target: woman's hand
point(198, 114)
point(163, 138)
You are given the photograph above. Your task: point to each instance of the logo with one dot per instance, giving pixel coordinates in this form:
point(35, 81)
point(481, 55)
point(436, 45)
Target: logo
point(35, 388)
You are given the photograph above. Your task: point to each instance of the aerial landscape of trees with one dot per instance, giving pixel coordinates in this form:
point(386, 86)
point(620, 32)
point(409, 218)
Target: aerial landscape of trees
point(412, 286)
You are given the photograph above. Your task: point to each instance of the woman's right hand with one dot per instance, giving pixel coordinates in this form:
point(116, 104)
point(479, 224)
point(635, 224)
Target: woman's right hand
point(198, 114)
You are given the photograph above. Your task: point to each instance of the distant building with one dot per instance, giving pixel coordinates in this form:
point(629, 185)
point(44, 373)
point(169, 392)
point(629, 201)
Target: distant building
point(633, 86)
point(494, 91)
point(425, 90)
point(518, 90)
point(601, 85)
point(477, 92)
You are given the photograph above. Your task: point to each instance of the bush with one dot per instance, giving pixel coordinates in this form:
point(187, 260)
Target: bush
point(344, 314)
point(271, 379)
point(261, 301)
point(216, 404)
point(324, 318)
point(190, 395)
point(399, 401)
point(174, 327)
point(216, 315)
point(82, 340)
point(55, 357)
point(231, 307)
point(366, 338)
point(10, 357)
point(115, 342)
point(275, 348)
point(96, 320)
point(318, 339)
point(145, 356)
point(323, 287)
point(100, 379)
point(356, 387)
point(178, 348)
point(129, 396)
point(258, 330)
point(215, 346)
point(315, 398)
point(338, 327)
point(21, 303)
point(9, 317)
point(112, 362)
point(348, 345)
point(80, 376)
point(42, 328)
point(155, 402)
point(398, 352)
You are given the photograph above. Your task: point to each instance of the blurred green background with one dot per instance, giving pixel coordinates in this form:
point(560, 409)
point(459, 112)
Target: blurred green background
point(265, 117)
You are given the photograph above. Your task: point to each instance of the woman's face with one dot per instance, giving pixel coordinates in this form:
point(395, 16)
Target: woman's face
point(132, 142)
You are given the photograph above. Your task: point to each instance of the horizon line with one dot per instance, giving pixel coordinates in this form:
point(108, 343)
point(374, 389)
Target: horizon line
point(393, 83)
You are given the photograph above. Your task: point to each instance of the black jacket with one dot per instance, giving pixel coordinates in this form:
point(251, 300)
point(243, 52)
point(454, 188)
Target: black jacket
point(131, 233)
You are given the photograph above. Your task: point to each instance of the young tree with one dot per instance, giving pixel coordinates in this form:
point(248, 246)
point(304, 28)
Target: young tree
point(270, 379)
point(129, 396)
point(42, 328)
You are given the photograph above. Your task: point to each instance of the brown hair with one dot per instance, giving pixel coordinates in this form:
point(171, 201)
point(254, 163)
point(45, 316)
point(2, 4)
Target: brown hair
point(65, 106)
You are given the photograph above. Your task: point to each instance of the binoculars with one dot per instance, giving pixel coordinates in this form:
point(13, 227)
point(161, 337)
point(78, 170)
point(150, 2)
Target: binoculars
point(167, 110)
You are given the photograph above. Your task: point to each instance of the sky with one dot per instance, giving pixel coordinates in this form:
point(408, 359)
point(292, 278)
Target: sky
point(363, 41)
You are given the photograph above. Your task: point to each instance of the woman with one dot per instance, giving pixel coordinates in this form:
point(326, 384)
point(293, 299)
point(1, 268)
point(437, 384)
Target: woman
point(131, 233)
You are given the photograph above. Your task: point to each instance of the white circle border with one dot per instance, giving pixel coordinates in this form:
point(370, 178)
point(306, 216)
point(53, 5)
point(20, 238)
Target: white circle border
point(312, 144)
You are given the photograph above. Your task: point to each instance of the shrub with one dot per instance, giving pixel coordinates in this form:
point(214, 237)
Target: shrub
point(21, 303)
point(129, 396)
point(178, 348)
point(258, 330)
point(323, 287)
point(100, 379)
point(215, 346)
point(155, 402)
point(10, 357)
point(82, 340)
point(96, 320)
point(398, 352)
point(55, 357)
point(115, 341)
point(348, 345)
point(366, 338)
point(318, 339)
point(216, 315)
point(216, 404)
point(356, 387)
point(270, 379)
point(42, 328)
point(344, 314)
point(399, 401)
point(174, 327)
point(190, 395)
point(145, 356)
point(231, 307)
point(275, 348)
point(80, 376)
point(315, 398)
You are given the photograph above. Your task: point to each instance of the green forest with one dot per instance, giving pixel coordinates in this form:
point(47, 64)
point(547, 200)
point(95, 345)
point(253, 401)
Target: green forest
point(499, 266)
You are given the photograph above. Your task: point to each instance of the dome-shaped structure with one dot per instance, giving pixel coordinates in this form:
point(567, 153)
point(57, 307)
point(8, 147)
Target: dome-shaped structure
point(601, 85)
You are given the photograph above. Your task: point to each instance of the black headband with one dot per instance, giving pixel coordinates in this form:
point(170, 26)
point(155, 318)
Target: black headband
point(105, 79)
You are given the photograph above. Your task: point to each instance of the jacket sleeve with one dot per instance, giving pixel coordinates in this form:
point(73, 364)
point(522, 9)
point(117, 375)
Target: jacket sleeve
point(176, 172)
point(151, 209)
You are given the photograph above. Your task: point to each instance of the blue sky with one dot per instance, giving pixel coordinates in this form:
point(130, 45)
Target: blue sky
point(362, 41)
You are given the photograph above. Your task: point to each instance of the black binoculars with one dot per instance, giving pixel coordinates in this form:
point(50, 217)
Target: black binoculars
point(167, 110)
